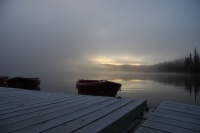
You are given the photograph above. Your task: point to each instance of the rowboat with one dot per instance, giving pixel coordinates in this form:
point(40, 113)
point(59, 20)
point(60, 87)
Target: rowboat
point(97, 87)
point(3, 80)
point(24, 83)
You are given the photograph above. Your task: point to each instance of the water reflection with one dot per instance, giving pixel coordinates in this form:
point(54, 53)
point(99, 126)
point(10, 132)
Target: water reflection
point(192, 85)
point(161, 86)
point(152, 87)
point(190, 82)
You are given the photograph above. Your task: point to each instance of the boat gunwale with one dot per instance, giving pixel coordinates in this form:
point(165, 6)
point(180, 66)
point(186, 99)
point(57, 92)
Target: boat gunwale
point(88, 83)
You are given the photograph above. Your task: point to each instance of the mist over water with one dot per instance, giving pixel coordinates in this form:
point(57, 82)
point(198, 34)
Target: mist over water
point(154, 87)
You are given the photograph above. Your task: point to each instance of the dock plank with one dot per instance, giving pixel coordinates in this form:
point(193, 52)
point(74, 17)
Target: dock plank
point(178, 123)
point(132, 126)
point(181, 104)
point(184, 110)
point(172, 117)
point(87, 119)
point(34, 111)
point(177, 113)
point(54, 119)
point(166, 127)
point(175, 117)
point(29, 99)
point(148, 130)
point(42, 103)
point(188, 108)
point(28, 102)
point(26, 110)
point(56, 107)
point(115, 119)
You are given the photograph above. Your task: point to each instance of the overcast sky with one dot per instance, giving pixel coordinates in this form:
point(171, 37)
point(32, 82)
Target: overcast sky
point(59, 34)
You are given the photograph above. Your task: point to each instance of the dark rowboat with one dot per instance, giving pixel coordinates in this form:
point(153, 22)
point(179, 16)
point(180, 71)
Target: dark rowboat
point(97, 87)
point(24, 83)
point(3, 80)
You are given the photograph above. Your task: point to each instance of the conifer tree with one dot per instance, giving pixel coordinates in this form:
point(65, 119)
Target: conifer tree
point(192, 65)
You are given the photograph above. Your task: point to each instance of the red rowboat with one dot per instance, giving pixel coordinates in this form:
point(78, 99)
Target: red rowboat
point(3, 80)
point(97, 87)
point(24, 83)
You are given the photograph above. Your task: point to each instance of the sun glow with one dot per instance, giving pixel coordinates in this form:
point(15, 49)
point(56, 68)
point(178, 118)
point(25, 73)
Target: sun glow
point(101, 60)
point(136, 64)
point(116, 60)
point(135, 80)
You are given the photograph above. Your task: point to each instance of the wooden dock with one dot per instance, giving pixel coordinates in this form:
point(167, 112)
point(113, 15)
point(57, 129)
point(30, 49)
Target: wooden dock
point(172, 117)
point(27, 111)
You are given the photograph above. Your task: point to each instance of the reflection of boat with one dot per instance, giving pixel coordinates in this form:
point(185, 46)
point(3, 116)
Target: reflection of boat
point(24, 83)
point(3, 80)
point(97, 87)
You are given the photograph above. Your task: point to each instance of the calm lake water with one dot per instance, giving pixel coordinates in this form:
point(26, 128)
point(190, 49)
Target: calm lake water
point(152, 87)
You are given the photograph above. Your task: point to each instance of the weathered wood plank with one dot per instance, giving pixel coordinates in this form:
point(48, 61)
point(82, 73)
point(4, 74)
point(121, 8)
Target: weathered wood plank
point(181, 104)
point(148, 130)
point(21, 106)
point(180, 107)
point(4, 89)
point(30, 102)
point(51, 109)
point(16, 92)
point(19, 92)
point(47, 121)
point(16, 98)
point(39, 105)
point(39, 95)
point(28, 109)
point(29, 106)
point(23, 113)
point(176, 123)
point(166, 127)
point(131, 126)
point(175, 117)
point(114, 120)
point(35, 111)
point(186, 115)
point(89, 118)
point(35, 97)
point(179, 110)
point(12, 101)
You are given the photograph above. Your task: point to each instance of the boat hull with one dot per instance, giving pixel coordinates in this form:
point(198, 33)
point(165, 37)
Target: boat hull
point(98, 88)
point(3, 81)
point(24, 83)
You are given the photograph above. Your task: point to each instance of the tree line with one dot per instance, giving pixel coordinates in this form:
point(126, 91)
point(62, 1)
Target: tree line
point(192, 63)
